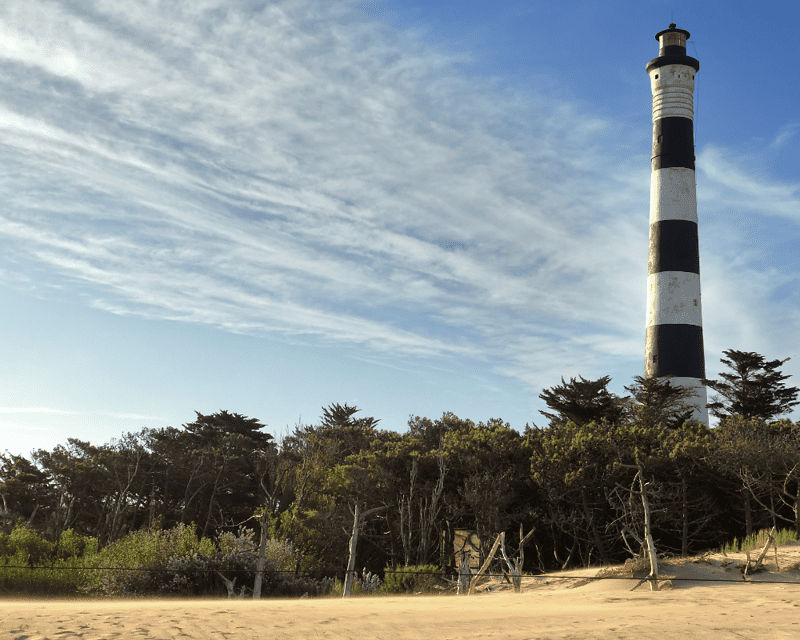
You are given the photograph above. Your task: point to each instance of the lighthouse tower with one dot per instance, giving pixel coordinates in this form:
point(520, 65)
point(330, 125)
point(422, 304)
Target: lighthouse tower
point(674, 343)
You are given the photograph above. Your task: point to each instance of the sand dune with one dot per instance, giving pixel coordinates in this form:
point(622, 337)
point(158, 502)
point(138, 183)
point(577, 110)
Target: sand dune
point(559, 605)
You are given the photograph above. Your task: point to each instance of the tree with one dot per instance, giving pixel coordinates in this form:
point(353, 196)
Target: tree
point(571, 464)
point(317, 484)
point(766, 457)
point(583, 401)
point(24, 490)
point(336, 415)
point(658, 402)
point(229, 446)
point(79, 487)
point(121, 463)
point(358, 521)
point(755, 389)
point(490, 472)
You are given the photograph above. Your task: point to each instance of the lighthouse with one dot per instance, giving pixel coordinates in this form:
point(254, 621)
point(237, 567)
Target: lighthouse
point(674, 339)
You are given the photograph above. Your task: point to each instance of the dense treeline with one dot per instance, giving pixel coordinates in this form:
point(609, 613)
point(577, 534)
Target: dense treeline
point(566, 481)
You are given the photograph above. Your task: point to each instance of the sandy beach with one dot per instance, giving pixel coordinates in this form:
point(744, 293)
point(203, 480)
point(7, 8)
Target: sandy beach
point(559, 605)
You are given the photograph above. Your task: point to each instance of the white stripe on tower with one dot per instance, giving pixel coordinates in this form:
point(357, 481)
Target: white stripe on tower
point(674, 342)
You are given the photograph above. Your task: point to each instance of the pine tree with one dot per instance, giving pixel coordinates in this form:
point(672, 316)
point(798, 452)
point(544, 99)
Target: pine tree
point(755, 389)
point(658, 402)
point(583, 401)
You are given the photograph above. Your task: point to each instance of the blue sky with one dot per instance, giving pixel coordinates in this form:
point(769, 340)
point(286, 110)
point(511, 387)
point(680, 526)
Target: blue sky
point(412, 207)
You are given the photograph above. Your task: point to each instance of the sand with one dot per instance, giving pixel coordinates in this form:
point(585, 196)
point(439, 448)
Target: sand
point(558, 605)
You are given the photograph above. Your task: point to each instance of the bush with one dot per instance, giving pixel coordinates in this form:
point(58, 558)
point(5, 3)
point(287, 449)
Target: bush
point(174, 561)
point(146, 562)
point(138, 563)
point(25, 543)
point(758, 540)
point(74, 545)
point(423, 578)
point(46, 568)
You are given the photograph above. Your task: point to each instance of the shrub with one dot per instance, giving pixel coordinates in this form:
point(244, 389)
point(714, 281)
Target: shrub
point(74, 545)
point(174, 561)
point(137, 563)
point(758, 540)
point(46, 568)
point(30, 546)
point(412, 579)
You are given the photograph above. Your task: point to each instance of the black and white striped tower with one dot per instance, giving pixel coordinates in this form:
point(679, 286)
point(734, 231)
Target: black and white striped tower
point(674, 343)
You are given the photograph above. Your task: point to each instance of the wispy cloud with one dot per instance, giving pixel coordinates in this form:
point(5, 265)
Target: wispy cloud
point(726, 183)
point(786, 133)
point(302, 168)
point(36, 410)
point(68, 412)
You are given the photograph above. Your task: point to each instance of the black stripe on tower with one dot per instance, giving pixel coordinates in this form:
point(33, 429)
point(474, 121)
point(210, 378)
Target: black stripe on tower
point(678, 56)
point(674, 246)
point(675, 350)
point(673, 143)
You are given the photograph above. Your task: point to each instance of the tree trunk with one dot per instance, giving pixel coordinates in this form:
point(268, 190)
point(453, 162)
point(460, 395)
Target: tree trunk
point(351, 562)
point(464, 570)
point(651, 547)
point(165, 498)
point(797, 511)
point(262, 558)
point(569, 555)
point(151, 514)
point(555, 542)
point(211, 502)
point(540, 563)
point(595, 536)
point(427, 515)
point(68, 517)
point(447, 555)
point(772, 503)
point(405, 514)
point(139, 501)
point(748, 514)
point(685, 518)
point(515, 565)
point(358, 519)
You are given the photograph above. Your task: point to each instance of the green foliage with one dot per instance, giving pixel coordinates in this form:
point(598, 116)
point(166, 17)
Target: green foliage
point(72, 544)
point(29, 546)
point(46, 568)
point(657, 402)
point(569, 482)
point(755, 389)
point(582, 401)
point(421, 578)
point(758, 540)
point(129, 564)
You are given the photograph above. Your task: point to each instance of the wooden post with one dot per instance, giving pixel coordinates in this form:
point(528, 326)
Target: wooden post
point(474, 582)
point(515, 566)
point(229, 584)
point(464, 570)
point(763, 554)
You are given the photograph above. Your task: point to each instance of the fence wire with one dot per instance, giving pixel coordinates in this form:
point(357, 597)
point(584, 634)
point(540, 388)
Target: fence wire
point(541, 576)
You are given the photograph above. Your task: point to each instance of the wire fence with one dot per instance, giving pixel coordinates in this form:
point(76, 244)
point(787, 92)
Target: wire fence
point(541, 576)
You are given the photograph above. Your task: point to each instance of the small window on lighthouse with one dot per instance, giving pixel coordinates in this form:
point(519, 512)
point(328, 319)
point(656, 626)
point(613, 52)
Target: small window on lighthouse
point(655, 357)
point(656, 76)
